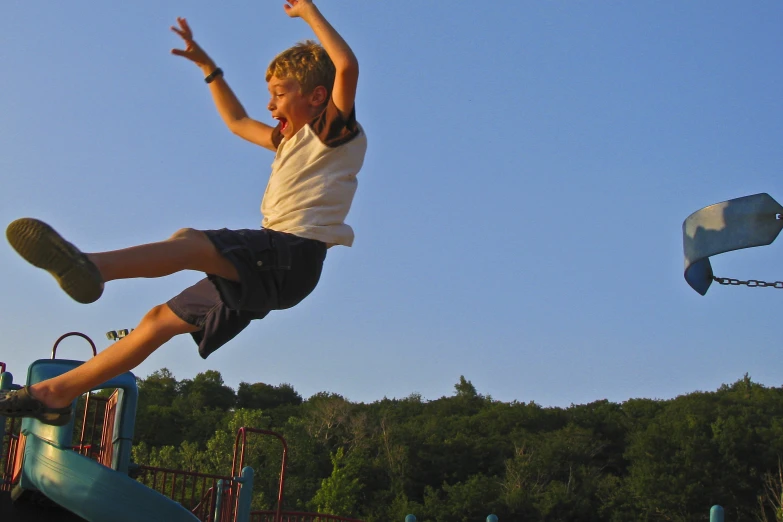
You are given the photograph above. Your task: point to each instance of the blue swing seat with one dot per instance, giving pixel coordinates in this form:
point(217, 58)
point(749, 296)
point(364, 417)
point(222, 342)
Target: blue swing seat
point(744, 222)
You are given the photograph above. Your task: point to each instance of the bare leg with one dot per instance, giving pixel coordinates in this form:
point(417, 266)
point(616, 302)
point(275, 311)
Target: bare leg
point(187, 249)
point(157, 327)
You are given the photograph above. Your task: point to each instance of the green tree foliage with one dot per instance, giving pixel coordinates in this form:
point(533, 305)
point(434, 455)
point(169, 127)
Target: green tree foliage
point(465, 388)
point(339, 493)
point(459, 458)
point(266, 397)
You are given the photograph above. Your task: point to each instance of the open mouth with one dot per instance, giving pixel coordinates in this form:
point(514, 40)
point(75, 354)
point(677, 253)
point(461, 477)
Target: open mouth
point(283, 123)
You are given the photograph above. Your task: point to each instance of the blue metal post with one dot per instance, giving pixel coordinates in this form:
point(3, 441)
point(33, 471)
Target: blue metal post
point(716, 514)
point(410, 518)
point(218, 501)
point(492, 518)
point(245, 495)
point(6, 381)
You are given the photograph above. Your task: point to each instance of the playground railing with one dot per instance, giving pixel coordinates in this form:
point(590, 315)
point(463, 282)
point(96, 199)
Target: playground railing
point(107, 433)
point(210, 497)
point(8, 453)
point(93, 429)
point(9, 434)
point(291, 516)
point(203, 494)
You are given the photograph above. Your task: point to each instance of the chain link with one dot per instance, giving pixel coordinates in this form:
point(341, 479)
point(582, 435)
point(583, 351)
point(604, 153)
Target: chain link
point(753, 283)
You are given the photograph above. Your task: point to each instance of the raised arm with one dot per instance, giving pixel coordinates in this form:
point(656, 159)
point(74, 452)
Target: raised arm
point(228, 106)
point(345, 62)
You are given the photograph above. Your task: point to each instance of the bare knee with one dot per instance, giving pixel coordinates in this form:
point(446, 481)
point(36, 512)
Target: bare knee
point(188, 233)
point(161, 320)
point(201, 254)
point(155, 315)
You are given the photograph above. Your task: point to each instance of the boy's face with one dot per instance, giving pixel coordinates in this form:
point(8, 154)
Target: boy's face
point(290, 106)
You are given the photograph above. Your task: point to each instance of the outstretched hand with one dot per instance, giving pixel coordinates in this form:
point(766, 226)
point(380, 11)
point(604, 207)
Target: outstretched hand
point(295, 8)
point(192, 51)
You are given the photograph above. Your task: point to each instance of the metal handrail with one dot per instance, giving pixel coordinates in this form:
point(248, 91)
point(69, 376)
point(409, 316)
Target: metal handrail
point(235, 470)
point(171, 479)
point(206, 496)
point(73, 334)
point(88, 442)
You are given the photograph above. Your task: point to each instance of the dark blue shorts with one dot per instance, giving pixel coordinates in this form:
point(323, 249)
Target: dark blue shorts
point(276, 271)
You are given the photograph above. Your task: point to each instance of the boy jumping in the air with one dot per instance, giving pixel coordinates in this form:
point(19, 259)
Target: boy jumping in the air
point(319, 148)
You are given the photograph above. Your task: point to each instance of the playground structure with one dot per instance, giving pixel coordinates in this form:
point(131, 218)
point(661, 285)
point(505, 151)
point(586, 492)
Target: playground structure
point(735, 224)
point(86, 472)
point(84, 468)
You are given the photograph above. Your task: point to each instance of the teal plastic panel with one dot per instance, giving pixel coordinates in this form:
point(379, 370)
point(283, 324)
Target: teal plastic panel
point(83, 486)
point(44, 369)
point(95, 492)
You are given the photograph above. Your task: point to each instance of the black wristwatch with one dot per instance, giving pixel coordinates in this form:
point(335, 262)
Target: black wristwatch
point(218, 72)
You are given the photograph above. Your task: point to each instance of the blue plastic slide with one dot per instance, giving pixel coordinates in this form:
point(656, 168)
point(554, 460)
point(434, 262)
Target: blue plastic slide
point(88, 489)
point(93, 491)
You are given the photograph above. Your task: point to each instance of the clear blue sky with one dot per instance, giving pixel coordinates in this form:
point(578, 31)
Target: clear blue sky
point(518, 218)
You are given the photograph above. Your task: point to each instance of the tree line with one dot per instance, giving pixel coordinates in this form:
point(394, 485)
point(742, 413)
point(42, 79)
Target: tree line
point(458, 458)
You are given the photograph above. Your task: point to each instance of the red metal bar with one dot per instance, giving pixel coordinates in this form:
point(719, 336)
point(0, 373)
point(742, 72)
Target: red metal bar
point(107, 433)
point(173, 483)
point(86, 441)
point(82, 444)
point(231, 499)
point(235, 470)
point(184, 486)
point(201, 504)
point(16, 469)
point(193, 491)
point(88, 445)
point(8, 456)
point(212, 499)
point(94, 429)
point(72, 334)
point(204, 505)
point(208, 502)
point(6, 453)
point(198, 510)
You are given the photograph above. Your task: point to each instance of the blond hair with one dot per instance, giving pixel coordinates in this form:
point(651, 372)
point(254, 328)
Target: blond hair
point(307, 63)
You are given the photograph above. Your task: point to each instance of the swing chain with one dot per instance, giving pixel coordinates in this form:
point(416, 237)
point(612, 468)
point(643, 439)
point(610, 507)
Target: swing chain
point(753, 283)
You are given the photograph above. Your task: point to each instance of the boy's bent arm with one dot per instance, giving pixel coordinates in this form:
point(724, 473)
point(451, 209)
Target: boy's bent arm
point(346, 65)
point(234, 115)
point(228, 106)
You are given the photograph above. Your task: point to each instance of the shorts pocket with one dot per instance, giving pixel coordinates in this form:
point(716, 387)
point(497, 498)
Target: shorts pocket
point(276, 255)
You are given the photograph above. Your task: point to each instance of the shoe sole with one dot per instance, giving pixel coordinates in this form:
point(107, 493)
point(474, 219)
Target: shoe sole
point(41, 246)
point(25, 405)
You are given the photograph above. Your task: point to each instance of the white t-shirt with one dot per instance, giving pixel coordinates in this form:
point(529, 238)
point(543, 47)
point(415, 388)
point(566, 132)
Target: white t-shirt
point(313, 178)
